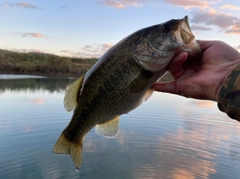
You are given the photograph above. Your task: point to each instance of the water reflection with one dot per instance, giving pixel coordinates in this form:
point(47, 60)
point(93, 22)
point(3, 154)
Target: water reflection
point(190, 151)
point(166, 137)
point(201, 104)
point(34, 84)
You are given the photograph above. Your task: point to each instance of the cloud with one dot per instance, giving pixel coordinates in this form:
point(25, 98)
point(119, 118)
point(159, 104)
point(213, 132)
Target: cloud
point(238, 47)
point(107, 46)
point(231, 7)
point(96, 50)
point(235, 29)
point(122, 3)
point(19, 4)
point(63, 7)
point(218, 19)
point(5, 5)
point(27, 50)
point(33, 34)
point(202, 4)
point(200, 27)
point(65, 51)
point(26, 5)
point(87, 46)
point(36, 51)
point(226, 22)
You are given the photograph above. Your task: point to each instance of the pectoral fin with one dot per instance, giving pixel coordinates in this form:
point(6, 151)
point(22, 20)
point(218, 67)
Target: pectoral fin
point(148, 94)
point(108, 129)
point(71, 97)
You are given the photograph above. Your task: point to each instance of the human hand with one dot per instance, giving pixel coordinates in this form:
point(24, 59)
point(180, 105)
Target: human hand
point(201, 78)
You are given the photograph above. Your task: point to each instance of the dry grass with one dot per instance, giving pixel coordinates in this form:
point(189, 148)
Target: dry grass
point(43, 64)
point(48, 65)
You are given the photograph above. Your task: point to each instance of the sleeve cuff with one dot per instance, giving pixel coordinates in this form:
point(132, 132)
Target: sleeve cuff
point(229, 95)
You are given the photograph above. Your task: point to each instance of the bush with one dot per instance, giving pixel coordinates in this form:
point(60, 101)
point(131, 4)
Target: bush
point(43, 64)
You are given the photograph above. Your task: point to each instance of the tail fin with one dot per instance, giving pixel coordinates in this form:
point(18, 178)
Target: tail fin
point(64, 146)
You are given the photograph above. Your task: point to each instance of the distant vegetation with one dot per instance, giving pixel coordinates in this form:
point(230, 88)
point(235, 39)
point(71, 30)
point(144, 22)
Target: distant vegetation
point(43, 64)
point(47, 64)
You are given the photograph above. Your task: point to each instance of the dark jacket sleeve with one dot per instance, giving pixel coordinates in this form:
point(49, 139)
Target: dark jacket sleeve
point(229, 95)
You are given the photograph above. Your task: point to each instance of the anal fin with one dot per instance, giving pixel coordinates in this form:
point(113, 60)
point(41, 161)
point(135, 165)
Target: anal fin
point(108, 129)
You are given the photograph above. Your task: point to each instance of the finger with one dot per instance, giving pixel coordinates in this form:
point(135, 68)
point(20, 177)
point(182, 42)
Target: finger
point(205, 44)
point(170, 87)
point(177, 61)
point(176, 65)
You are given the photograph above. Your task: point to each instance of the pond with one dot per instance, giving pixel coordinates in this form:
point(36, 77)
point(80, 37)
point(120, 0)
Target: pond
point(167, 137)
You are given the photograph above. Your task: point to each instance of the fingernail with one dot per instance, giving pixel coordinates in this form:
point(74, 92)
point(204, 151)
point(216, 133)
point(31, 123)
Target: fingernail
point(180, 55)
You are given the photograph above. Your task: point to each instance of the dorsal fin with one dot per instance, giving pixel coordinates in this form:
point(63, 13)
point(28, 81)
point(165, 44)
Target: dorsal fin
point(70, 99)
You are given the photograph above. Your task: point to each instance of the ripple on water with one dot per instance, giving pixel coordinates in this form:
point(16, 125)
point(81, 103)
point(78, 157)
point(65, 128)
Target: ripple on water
point(166, 137)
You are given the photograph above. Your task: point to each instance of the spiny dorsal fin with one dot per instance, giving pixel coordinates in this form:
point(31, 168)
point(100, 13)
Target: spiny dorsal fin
point(108, 129)
point(70, 99)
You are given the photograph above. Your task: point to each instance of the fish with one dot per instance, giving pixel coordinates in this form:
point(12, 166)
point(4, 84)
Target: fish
point(120, 81)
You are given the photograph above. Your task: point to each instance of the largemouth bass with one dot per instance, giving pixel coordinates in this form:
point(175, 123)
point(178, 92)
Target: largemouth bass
point(120, 81)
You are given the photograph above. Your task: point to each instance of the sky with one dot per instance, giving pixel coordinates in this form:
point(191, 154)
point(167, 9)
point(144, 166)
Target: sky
point(88, 28)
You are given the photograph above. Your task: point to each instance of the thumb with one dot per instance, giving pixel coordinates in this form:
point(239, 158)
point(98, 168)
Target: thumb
point(169, 87)
point(194, 88)
point(187, 90)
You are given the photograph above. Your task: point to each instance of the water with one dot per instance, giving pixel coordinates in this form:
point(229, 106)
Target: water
point(167, 137)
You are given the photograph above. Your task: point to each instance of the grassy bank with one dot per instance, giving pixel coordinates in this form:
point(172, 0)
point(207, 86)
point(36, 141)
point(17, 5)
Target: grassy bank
point(43, 64)
point(47, 64)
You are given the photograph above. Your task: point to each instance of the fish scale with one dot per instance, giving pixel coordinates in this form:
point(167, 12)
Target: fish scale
point(120, 81)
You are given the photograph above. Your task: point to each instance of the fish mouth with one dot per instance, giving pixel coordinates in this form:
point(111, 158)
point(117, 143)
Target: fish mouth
point(186, 39)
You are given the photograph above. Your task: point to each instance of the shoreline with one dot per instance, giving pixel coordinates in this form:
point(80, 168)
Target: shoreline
point(54, 75)
point(48, 65)
point(166, 78)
